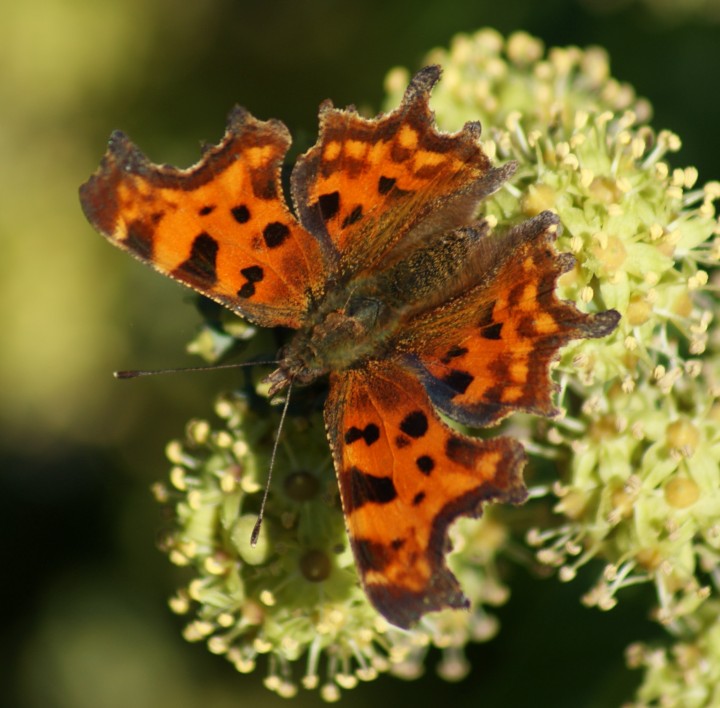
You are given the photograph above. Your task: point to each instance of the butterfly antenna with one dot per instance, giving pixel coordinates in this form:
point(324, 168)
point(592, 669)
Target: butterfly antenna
point(135, 373)
point(258, 524)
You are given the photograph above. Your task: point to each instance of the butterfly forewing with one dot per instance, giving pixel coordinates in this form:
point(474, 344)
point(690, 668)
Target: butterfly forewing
point(370, 184)
point(221, 227)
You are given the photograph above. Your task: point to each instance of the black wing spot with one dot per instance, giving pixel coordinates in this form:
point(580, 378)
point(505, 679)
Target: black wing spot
point(329, 205)
point(253, 274)
point(208, 209)
point(458, 380)
point(414, 424)
point(366, 488)
point(453, 353)
point(370, 434)
point(241, 214)
point(385, 184)
point(492, 332)
point(199, 267)
point(275, 234)
point(418, 498)
point(425, 464)
point(352, 435)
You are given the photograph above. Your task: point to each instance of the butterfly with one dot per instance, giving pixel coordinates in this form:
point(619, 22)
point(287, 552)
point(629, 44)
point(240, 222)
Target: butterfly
point(397, 292)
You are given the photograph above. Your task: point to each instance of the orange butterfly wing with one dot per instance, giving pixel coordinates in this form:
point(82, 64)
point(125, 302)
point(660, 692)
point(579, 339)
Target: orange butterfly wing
point(486, 353)
point(404, 477)
point(370, 184)
point(220, 227)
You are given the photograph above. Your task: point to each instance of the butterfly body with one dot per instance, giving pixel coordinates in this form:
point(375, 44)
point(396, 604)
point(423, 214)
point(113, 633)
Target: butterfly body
point(397, 293)
point(361, 320)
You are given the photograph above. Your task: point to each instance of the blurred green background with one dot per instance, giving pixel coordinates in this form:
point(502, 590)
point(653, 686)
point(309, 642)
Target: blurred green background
point(83, 584)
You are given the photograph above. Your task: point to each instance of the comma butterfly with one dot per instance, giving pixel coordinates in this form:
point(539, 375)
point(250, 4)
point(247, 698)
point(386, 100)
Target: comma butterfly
point(397, 292)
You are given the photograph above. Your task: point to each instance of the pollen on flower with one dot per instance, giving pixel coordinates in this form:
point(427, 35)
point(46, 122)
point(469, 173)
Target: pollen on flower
point(198, 431)
point(523, 48)
point(228, 481)
point(217, 645)
point(539, 198)
point(586, 175)
point(567, 573)
point(195, 499)
point(330, 692)
point(683, 436)
point(224, 439)
point(215, 566)
point(610, 253)
point(177, 478)
point(697, 280)
point(225, 619)
point(639, 311)
point(178, 558)
point(176, 454)
point(179, 603)
point(198, 630)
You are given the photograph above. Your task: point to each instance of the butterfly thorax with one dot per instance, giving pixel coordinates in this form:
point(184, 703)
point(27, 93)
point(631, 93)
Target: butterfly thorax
point(338, 337)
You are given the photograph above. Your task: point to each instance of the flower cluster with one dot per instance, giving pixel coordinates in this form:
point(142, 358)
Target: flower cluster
point(639, 446)
point(636, 455)
point(687, 674)
point(295, 593)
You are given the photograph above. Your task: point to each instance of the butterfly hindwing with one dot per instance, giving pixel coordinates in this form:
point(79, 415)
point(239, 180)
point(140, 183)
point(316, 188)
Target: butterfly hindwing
point(404, 476)
point(486, 353)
